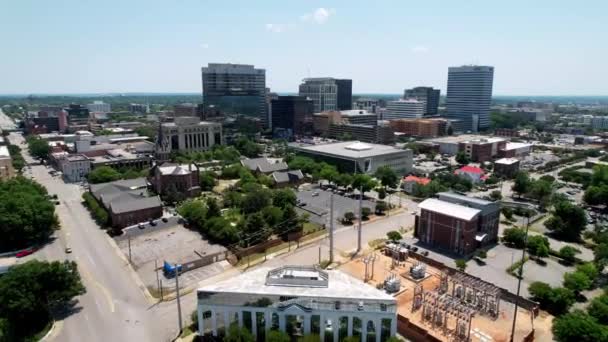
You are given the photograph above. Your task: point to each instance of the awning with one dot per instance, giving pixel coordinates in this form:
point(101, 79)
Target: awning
point(480, 237)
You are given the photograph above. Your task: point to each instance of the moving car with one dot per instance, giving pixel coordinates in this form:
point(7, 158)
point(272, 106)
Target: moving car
point(24, 253)
point(68, 250)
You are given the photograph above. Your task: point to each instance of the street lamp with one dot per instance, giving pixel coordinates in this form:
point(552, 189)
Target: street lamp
point(520, 275)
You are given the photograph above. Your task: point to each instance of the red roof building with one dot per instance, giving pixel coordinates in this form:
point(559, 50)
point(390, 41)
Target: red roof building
point(409, 182)
point(473, 173)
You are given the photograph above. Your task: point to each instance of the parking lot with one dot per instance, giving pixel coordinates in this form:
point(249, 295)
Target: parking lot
point(151, 246)
point(317, 203)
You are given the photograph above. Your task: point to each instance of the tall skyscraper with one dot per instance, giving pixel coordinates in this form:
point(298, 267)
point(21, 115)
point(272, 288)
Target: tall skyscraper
point(345, 94)
point(235, 89)
point(469, 95)
point(328, 93)
point(292, 114)
point(426, 94)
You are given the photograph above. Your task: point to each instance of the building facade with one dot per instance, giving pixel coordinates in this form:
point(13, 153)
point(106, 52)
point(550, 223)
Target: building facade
point(99, 107)
point(404, 109)
point(506, 167)
point(235, 89)
point(322, 91)
point(292, 113)
point(299, 300)
point(182, 179)
point(74, 167)
point(424, 128)
point(6, 164)
point(482, 150)
point(469, 95)
point(427, 95)
point(185, 109)
point(370, 105)
point(358, 157)
point(345, 94)
point(457, 223)
point(187, 134)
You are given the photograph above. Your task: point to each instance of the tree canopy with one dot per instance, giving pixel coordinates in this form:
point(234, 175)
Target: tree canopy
point(579, 326)
point(103, 174)
point(387, 176)
point(462, 158)
point(567, 221)
point(29, 291)
point(39, 148)
point(27, 216)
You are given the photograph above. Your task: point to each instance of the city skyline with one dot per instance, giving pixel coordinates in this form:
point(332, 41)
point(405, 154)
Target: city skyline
point(78, 48)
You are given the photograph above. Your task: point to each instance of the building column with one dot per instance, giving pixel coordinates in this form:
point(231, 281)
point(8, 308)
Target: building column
point(254, 325)
point(268, 319)
point(393, 326)
point(281, 321)
point(335, 326)
point(322, 325)
point(201, 324)
point(349, 327)
point(226, 320)
point(364, 329)
point(378, 326)
point(240, 318)
point(307, 319)
point(213, 323)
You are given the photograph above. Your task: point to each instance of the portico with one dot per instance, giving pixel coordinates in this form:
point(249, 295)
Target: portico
point(300, 301)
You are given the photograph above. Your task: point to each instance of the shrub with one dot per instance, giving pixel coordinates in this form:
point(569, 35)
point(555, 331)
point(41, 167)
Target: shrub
point(99, 213)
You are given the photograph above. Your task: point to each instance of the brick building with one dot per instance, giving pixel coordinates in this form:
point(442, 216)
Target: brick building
point(127, 202)
point(426, 128)
point(506, 167)
point(175, 177)
point(481, 150)
point(457, 223)
point(506, 132)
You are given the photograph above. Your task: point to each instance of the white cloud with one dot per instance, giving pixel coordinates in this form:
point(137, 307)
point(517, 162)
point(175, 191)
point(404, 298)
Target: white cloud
point(205, 46)
point(320, 15)
point(420, 49)
point(276, 28)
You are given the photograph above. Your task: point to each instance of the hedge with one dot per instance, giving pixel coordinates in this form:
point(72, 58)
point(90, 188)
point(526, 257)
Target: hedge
point(98, 212)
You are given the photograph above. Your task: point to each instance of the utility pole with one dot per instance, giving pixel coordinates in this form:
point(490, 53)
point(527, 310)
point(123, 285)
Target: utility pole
point(156, 269)
point(360, 218)
point(331, 228)
point(520, 275)
point(179, 305)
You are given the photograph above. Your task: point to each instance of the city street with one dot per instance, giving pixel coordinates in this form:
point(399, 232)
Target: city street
point(114, 308)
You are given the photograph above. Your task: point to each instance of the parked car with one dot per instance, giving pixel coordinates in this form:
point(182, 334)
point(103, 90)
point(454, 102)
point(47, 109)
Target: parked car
point(164, 219)
point(314, 194)
point(24, 253)
point(68, 250)
point(141, 226)
point(152, 223)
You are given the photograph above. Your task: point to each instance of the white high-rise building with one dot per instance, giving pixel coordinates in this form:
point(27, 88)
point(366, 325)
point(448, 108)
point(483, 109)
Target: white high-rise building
point(469, 95)
point(322, 91)
point(404, 109)
point(99, 107)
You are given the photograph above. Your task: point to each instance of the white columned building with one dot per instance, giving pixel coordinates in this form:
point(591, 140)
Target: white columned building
point(299, 300)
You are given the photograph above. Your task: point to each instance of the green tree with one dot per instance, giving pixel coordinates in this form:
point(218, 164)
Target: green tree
point(207, 181)
point(394, 235)
point(344, 180)
point(461, 264)
point(577, 281)
point(589, 269)
point(363, 182)
point(272, 215)
point(496, 195)
point(365, 212)
point(103, 174)
point(291, 222)
point(27, 216)
point(578, 326)
point(568, 253)
point(329, 173)
point(349, 217)
point(515, 237)
point(598, 308)
point(538, 245)
point(255, 230)
point(238, 334)
point(277, 336)
point(541, 191)
point(381, 207)
point(30, 291)
point(522, 183)
point(39, 148)
point(255, 200)
point(213, 208)
point(600, 254)
point(248, 148)
point(462, 158)
point(194, 211)
point(283, 197)
point(567, 221)
point(387, 176)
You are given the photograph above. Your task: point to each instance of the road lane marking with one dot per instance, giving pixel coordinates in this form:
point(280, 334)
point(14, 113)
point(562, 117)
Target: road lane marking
point(105, 291)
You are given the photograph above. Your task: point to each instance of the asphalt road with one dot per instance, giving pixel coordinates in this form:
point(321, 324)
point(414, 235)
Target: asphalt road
point(113, 308)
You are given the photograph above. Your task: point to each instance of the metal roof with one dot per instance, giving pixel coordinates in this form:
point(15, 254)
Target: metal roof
point(450, 209)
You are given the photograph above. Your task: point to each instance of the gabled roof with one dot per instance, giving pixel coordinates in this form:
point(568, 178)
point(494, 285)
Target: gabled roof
point(176, 169)
point(449, 209)
point(419, 180)
point(125, 195)
point(263, 165)
point(287, 176)
point(470, 169)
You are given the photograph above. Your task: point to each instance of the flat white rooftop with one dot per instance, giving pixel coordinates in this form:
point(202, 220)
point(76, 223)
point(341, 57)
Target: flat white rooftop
point(506, 161)
point(516, 145)
point(339, 285)
point(351, 149)
point(450, 209)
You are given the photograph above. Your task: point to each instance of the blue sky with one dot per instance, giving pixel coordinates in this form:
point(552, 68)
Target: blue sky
point(537, 47)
